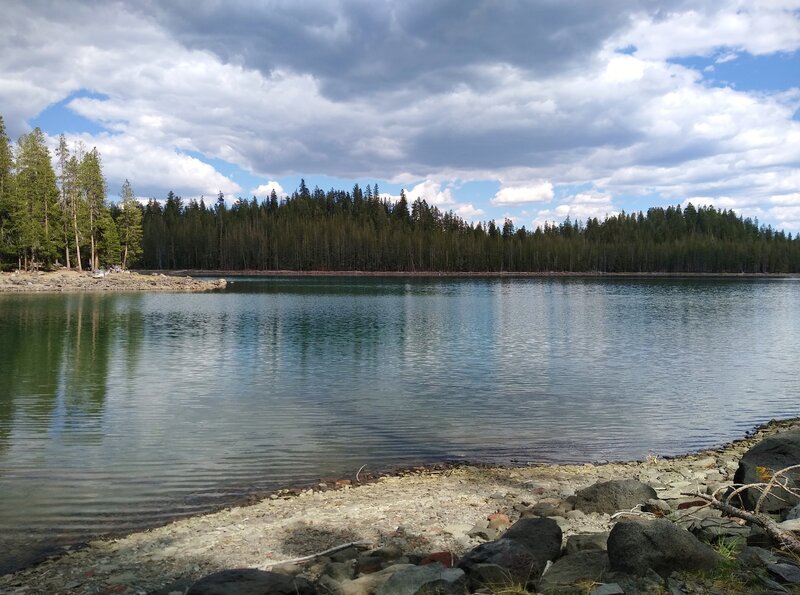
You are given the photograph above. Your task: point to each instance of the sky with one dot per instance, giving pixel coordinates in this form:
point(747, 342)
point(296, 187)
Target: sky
point(532, 110)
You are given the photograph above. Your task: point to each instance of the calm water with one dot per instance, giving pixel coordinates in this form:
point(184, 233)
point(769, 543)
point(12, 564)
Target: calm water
point(120, 411)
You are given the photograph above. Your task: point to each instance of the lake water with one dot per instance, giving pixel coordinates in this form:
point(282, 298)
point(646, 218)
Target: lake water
point(122, 411)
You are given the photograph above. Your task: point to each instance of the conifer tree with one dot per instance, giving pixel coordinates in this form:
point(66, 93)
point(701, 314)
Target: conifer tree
point(34, 211)
point(129, 223)
point(93, 190)
point(6, 189)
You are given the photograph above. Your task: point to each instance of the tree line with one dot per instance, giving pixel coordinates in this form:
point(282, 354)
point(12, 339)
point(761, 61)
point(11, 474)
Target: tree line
point(60, 216)
point(53, 215)
point(362, 230)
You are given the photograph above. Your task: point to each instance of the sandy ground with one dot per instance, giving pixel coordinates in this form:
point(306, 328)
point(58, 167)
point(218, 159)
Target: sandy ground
point(74, 281)
point(422, 511)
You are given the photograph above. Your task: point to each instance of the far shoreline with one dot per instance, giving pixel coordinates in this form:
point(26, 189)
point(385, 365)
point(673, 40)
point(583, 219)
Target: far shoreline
point(463, 274)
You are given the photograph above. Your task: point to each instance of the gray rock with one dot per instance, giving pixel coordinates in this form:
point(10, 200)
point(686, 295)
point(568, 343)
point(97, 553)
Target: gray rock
point(637, 546)
point(756, 556)
point(488, 576)
point(656, 506)
point(612, 496)
point(608, 589)
point(251, 581)
point(568, 570)
point(432, 579)
point(771, 454)
point(586, 541)
point(340, 571)
point(328, 585)
point(516, 562)
point(790, 525)
point(541, 536)
point(481, 530)
point(793, 514)
point(788, 573)
point(648, 584)
point(711, 529)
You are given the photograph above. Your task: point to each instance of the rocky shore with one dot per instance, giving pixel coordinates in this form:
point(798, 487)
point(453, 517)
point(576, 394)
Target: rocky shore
point(604, 529)
point(65, 281)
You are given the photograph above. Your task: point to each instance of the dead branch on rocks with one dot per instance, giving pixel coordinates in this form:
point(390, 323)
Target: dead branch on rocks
point(780, 479)
point(333, 550)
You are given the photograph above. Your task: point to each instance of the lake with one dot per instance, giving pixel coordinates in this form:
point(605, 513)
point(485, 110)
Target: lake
point(122, 411)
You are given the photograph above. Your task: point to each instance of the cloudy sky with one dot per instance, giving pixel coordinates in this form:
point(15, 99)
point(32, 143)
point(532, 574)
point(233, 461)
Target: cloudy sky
point(535, 110)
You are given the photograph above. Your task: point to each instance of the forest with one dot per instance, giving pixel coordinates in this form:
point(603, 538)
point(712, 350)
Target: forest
point(60, 216)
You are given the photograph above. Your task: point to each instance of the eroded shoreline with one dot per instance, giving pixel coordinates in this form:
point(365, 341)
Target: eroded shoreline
point(421, 509)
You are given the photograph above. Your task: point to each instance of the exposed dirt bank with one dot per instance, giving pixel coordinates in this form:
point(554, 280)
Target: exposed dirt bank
point(421, 511)
point(74, 281)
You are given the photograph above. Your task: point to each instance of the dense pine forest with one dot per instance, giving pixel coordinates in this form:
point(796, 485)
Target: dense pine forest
point(61, 217)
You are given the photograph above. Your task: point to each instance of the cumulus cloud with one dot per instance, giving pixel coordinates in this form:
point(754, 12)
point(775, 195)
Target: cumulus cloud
point(432, 193)
point(264, 190)
point(527, 94)
point(579, 207)
point(519, 195)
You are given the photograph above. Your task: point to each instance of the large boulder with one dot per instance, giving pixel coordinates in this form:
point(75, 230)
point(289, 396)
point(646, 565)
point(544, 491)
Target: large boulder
point(760, 462)
point(501, 562)
point(612, 496)
point(637, 546)
point(541, 536)
point(522, 553)
point(251, 581)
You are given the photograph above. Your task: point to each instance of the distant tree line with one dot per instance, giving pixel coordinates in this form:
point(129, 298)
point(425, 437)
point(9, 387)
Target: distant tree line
point(60, 216)
point(361, 230)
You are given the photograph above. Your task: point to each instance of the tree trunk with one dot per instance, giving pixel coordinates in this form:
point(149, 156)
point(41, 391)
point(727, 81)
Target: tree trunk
point(77, 243)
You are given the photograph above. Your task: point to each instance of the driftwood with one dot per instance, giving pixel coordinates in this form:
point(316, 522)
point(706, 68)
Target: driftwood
point(787, 539)
point(332, 550)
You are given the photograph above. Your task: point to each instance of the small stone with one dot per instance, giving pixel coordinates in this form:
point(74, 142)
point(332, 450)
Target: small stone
point(586, 541)
point(499, 524)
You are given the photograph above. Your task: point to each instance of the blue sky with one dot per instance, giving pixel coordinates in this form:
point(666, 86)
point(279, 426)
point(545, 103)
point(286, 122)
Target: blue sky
point(533, 111)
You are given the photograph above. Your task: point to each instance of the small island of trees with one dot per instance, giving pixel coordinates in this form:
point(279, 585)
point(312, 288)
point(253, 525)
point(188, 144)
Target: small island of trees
point(60, 216)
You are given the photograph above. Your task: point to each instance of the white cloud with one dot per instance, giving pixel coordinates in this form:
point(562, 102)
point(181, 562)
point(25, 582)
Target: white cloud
point(754, 27)
point(264, 190)
point(516, 195)
point(577, 113)
point(432, 193)
point(469, 212)
point(580, 207)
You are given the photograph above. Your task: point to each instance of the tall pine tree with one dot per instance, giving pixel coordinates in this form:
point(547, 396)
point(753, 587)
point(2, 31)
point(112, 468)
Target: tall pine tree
point(129, 223)
point(34, 212)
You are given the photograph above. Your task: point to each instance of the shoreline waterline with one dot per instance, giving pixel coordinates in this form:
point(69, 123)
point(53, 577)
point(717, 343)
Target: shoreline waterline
point(467, 274)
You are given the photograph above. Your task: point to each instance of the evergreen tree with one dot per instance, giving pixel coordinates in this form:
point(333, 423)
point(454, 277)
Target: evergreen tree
point(93, 190)
point(34, 210)
point(129, 223)
point(6, 191)
point(108, 241)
